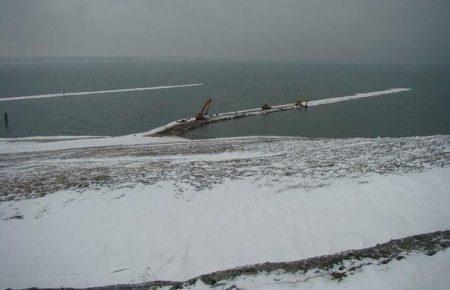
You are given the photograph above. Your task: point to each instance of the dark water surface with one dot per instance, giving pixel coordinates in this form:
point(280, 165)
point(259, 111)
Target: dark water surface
point(233, 86)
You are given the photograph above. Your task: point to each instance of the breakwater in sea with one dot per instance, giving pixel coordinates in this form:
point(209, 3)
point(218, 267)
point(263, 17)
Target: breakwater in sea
point(182, 126)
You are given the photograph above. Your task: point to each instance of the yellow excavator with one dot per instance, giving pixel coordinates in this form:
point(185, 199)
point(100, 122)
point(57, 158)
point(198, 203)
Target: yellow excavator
point(303, 102)
point(204, 111)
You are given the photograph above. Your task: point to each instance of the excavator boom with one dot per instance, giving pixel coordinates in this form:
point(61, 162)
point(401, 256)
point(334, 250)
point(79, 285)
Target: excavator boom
point(206, 107)
point(204, 111)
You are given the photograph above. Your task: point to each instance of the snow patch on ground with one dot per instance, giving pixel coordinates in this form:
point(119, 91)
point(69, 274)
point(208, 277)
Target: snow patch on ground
point(52, 143)
point(131, 235)
point(172, 211)
point(281, 163)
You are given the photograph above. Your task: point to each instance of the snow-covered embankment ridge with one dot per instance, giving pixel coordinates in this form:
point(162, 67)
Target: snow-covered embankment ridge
point(136, 213)
point(399, 264)
point(179, 127)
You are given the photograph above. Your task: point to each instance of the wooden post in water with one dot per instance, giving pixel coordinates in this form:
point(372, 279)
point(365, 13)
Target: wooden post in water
point(6, 118)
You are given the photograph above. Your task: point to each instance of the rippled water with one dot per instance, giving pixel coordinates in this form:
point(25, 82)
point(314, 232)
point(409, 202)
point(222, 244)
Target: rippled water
point(233, 86)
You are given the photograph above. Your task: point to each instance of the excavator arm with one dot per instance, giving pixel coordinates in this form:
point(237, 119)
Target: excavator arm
point(204, 110)
point(206, 107)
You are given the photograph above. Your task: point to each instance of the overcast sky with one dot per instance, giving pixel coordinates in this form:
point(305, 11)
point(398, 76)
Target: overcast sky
point(400, 31)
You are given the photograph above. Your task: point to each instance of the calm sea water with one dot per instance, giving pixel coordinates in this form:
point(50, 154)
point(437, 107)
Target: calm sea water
point(233, 86)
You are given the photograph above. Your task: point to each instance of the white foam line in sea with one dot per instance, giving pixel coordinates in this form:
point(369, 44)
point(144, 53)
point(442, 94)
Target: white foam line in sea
point(96, 92)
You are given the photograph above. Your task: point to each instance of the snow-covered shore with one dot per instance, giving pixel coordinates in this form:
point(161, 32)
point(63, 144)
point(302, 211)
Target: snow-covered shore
point(135, 213)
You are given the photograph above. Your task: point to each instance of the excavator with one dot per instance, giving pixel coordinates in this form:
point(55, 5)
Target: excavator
point(303, 103)
point(204, 111)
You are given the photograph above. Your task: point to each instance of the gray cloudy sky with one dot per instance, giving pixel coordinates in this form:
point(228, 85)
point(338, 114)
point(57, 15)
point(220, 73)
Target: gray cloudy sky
point(405, 31)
